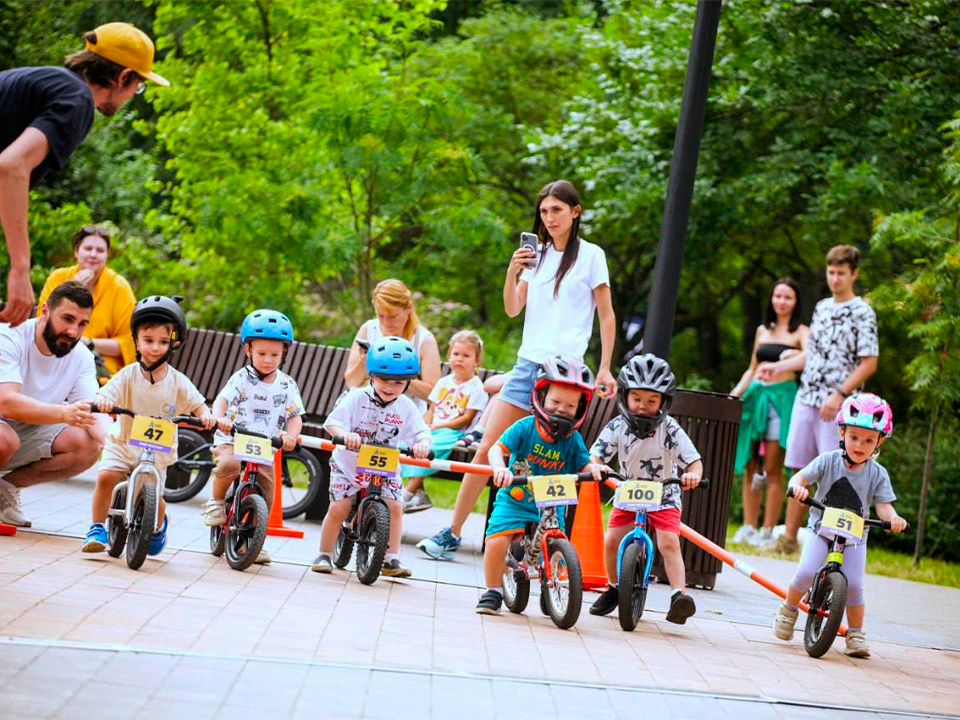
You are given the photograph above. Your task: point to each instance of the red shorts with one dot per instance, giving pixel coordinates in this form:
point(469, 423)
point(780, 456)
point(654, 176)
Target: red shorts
point(667, 519)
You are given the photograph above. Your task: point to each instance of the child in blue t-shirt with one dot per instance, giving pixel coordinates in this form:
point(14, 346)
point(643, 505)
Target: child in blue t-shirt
point(545, 444)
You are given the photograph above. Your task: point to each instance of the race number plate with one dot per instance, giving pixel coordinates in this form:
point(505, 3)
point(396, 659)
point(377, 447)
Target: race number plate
point(377, 460)
point(844, 523)
point(636, 495)
point(551, 490)
point(151, 433)
point(252, 449)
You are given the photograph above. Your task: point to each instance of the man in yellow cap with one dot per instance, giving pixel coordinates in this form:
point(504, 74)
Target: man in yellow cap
point(45, 113)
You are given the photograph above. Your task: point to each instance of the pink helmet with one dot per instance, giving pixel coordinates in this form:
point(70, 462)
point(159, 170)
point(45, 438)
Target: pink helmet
point(866, 410)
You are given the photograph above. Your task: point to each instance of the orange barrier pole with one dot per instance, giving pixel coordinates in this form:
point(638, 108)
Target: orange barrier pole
point(275, 524)
point(8, 529)
point(442, 465)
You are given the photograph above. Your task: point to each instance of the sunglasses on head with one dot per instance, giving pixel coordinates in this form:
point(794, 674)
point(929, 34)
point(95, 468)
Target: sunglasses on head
point(97, 230)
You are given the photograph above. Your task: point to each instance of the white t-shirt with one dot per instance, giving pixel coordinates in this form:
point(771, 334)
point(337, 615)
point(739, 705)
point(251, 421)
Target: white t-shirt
point(45, 378)
point(451, 400)
point(259, 406)
point(562, 325)
point(173, 395)
point(358, 411)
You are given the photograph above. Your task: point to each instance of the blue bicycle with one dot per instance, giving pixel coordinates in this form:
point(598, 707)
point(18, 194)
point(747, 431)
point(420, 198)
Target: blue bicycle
point(635, 555)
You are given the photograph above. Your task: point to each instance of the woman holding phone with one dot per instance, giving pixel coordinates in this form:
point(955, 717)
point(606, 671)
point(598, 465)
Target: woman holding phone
point(560, 293)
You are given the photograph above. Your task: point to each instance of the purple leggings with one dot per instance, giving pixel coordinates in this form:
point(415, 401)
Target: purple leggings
point(815, 555)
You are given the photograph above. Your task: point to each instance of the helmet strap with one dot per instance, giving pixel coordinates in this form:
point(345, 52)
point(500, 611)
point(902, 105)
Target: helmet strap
point(148, 369)
point(846, 458)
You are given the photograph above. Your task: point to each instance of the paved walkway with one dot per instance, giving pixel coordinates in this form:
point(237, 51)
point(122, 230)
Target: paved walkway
point(84, 635)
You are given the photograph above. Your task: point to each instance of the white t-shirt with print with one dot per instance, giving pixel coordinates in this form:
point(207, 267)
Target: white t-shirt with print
point(562, 325)
point(173, 395)
point(48, 379)
point(665, 454)
point(452, 399)
point(259, 406)
point(359, 411)
point(840, 334)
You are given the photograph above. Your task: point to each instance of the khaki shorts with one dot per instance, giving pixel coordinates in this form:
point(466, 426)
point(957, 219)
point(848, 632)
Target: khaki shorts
point(228, 466)
point(36, 443)
point(124, 458)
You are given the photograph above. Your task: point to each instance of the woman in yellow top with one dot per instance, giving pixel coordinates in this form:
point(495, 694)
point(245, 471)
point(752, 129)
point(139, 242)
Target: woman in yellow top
point(109, 330)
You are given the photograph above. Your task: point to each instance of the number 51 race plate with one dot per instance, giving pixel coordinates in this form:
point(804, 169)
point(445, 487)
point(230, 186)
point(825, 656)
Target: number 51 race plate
point(551, 490)
point(636, 495)
point(844, 523)
point(151, 433)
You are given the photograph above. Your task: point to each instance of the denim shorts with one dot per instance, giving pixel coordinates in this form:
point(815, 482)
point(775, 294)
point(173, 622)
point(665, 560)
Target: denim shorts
point(519, 385)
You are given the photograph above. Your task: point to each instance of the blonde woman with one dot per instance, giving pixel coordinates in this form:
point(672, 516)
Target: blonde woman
point(396, 316)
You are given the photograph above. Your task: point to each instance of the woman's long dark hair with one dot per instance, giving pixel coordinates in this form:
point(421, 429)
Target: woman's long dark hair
point(796, 317)
point(564, 191)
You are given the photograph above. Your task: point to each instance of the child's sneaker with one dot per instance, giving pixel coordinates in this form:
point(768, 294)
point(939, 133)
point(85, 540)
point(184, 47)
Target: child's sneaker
point(323, 564)
point(158, 541)
point(745, 534)
point(682, 606)
point(417, 501)
point(784, 621)
point(441, 546)
point(490, 603)
point(857, 645)
point(471, 438)
point(606, 603)
point(97, 539)
point(214, 512)
point(263, 558)
point(393, 568)
point(761, 538)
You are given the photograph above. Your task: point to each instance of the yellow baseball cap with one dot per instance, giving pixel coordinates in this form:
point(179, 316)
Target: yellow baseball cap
point(127, 46)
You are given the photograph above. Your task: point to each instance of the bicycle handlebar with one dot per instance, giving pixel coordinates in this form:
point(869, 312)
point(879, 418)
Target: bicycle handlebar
point(872, 522)
point(587, 477)
point(403, 451)
point(176, 420)
point(704, 482)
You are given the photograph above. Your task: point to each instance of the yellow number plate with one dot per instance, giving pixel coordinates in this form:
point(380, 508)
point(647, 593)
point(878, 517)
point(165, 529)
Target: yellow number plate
point(550, 490)
point(252, 449)
point(377, 460)
point(844, 523)
point(151, 433)
point(638, 495)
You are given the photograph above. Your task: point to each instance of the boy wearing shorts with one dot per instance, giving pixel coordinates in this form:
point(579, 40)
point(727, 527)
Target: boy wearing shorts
point(648, 445)
point(152, 388)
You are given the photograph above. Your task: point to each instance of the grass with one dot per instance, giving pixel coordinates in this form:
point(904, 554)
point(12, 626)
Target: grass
point(880, 561)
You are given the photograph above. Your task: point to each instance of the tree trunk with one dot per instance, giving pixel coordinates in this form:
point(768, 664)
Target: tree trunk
point(925, 485)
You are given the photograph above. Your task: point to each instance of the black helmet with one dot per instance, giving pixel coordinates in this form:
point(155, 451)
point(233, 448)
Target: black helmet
point(160, 308)
point(569, 372)
point(645, 372)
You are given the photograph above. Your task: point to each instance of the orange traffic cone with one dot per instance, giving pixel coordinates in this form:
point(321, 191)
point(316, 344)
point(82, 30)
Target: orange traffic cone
point(8, 529)
point(587, 537)
point(275, 524)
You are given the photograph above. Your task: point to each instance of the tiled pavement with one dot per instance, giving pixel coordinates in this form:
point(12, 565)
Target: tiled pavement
point(87, 636)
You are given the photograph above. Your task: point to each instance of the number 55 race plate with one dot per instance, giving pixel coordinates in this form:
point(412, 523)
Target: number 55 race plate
point(843, 523)
point(550, 490)
point(151, 433)
point(636, 495)
point(376, 460)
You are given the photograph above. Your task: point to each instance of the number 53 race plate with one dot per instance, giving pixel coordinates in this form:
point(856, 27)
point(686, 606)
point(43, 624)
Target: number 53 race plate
point(636, 495)
point(550, 490)
point(844, 523)
point(151, 433)
point(252, 449)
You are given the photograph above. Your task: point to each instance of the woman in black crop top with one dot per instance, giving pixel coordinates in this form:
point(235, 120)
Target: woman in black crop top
point(766, 412)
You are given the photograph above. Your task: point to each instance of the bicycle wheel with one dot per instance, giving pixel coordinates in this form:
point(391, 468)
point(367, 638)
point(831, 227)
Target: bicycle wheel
point(218, 540)
point(343, 548)
point(190, 473)
point(372, 541)
point(826, 613)
point(301, 481)
point(116, 529)
point(633, 589)
point(247, 532)
point(141, 524)
point(565, 587)
point(516, 585)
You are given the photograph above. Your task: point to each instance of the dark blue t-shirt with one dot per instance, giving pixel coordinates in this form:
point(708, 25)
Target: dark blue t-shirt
point(54, 100)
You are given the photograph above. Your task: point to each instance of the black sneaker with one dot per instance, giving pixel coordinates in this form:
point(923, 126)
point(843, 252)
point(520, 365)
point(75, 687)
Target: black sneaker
point(490, 603)
point(606, 603)
point(393, 568)
point(682, 606)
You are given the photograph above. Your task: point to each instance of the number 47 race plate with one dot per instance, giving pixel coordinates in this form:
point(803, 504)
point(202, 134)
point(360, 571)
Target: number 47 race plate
point(152, 433)
point(551, 490)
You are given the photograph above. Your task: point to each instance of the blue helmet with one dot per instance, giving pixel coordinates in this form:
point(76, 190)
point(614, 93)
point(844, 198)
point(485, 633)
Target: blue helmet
point(266, 324)
point(393, 358)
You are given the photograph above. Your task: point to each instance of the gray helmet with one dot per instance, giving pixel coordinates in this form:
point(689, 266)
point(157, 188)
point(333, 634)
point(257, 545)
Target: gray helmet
point(645, 372)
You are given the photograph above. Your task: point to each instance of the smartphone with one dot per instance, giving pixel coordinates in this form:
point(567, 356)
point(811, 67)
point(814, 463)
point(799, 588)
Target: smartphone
point(364, 345)
point(529, 240)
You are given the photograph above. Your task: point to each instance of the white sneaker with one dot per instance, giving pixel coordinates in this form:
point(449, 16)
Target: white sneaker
point(857, 645)
point(263, 558)
point(761, 538)
point(10, 510)
point(214, 512)
point(745, 534)
point(417, 502)
point(784, 622)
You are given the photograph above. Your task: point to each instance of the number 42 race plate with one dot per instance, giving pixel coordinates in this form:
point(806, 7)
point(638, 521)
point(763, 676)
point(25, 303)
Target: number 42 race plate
point(550, 490)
